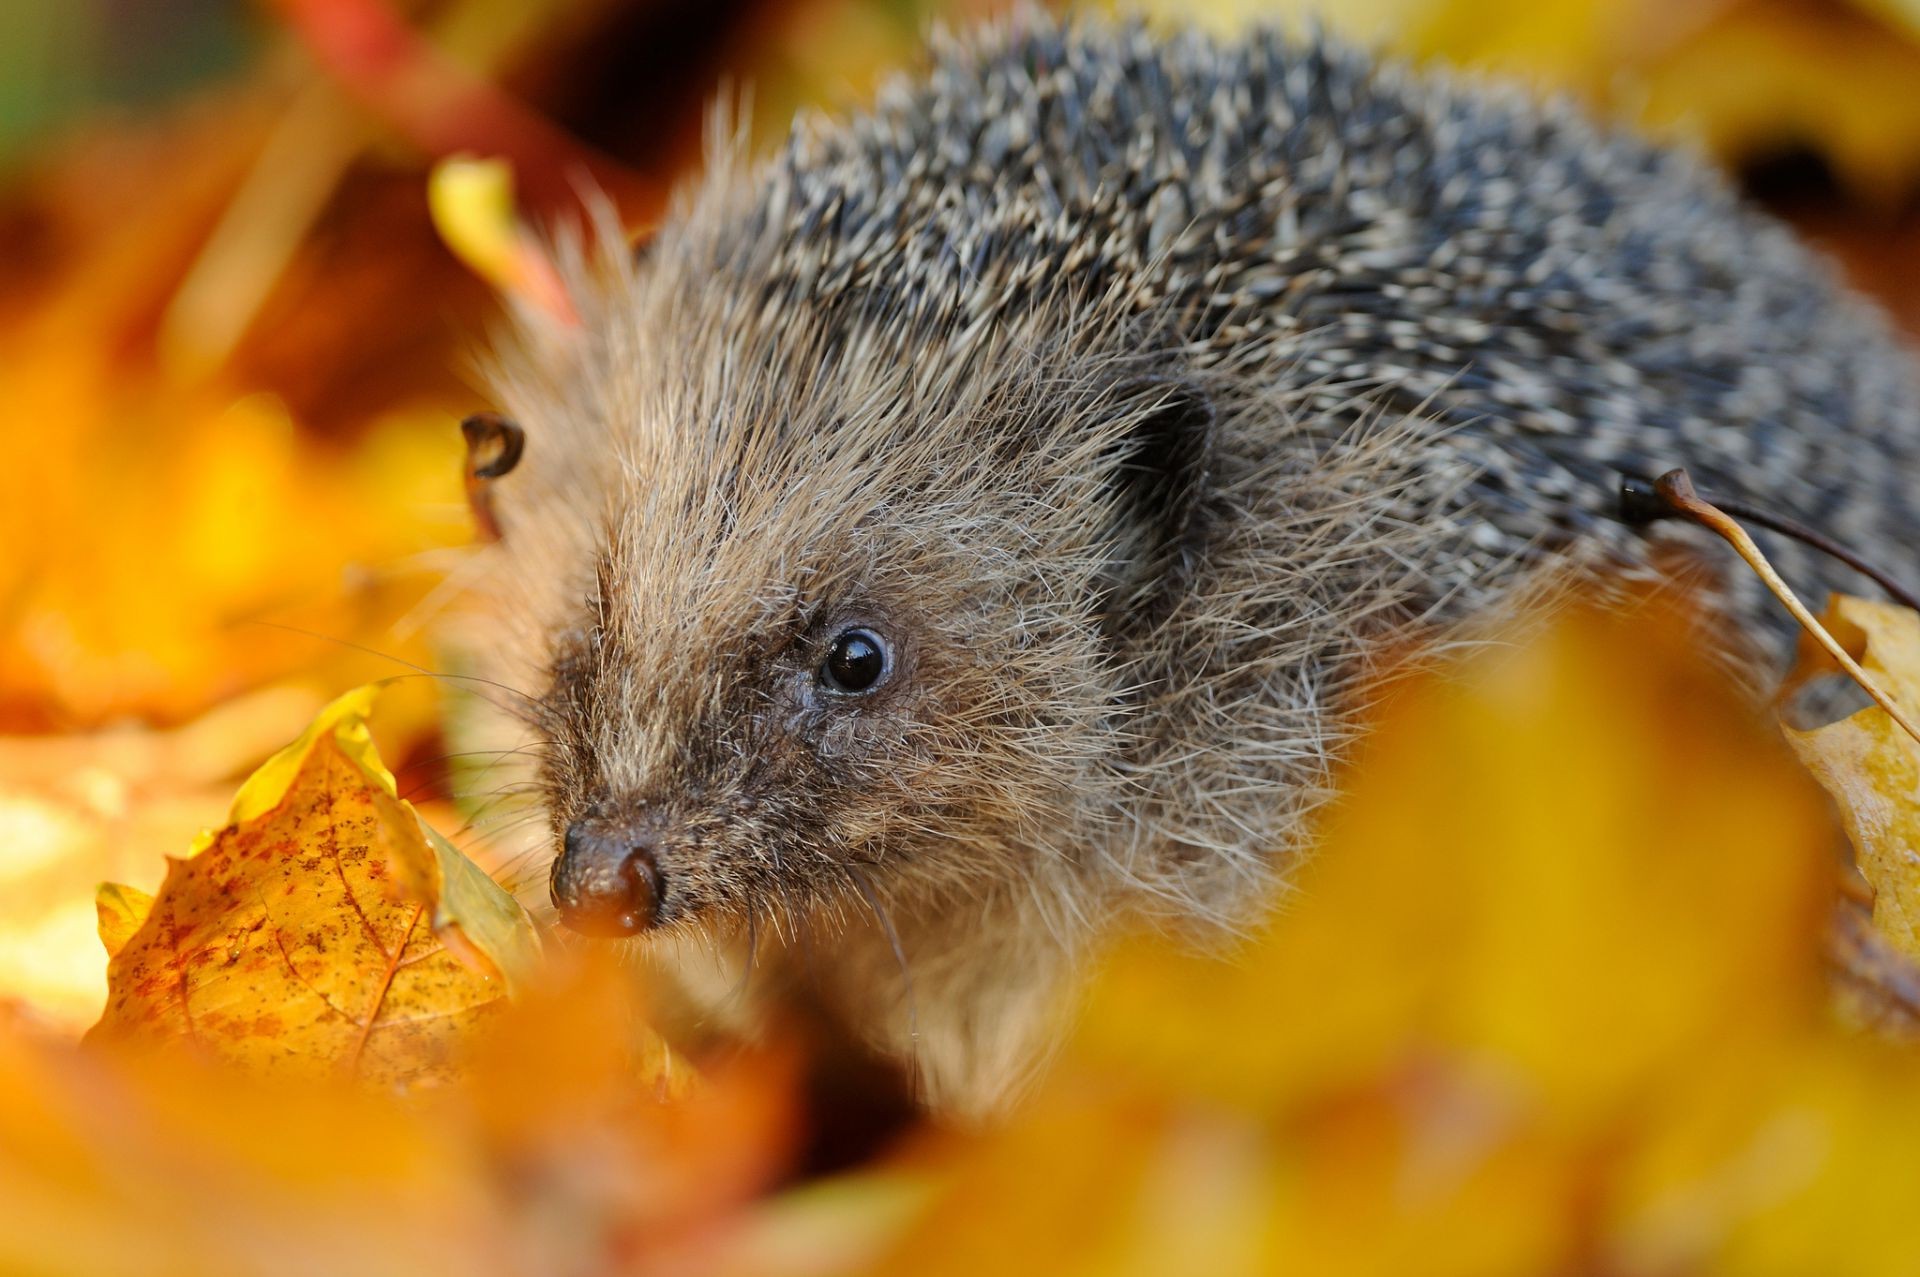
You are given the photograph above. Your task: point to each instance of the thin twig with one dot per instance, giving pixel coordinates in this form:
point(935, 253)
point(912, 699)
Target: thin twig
point(1677, 490)
point(1641, 503)
point(1825, 544)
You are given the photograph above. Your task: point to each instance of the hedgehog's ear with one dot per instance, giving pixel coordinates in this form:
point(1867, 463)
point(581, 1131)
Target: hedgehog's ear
point(494, 445)
point(1161, 477)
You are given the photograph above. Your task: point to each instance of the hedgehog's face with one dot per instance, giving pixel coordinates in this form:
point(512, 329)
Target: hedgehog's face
point(842, 632)
point(727, 773)
point(730, 736)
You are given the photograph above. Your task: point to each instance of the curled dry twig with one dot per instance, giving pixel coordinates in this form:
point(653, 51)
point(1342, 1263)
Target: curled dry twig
point(1675, 492)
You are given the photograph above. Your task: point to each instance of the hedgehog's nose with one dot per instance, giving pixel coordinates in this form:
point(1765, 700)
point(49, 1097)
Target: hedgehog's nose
point(606, 882)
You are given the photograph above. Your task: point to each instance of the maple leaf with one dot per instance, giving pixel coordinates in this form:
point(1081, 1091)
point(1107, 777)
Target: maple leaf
point(325, 928)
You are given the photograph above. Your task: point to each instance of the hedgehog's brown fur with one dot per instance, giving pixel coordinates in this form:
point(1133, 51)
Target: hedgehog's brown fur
point(1139, 390)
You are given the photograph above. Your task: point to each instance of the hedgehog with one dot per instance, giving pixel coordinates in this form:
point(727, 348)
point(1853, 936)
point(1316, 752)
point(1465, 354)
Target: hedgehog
point(972, 528)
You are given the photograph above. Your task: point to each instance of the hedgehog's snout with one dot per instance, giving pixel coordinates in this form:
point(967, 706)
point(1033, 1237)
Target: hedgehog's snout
point(607, 881)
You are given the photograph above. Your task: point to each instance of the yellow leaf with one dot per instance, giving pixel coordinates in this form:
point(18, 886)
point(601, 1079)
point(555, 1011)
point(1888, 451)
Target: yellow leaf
point(472, 204)
point(1536, 853)
point(1762, 77)
point(123, 910)
point(81, 809)
point(547, 1155)
point(344, 720)
point(1870, 765)
point(1561, 894)
point(324, 929)
point(473, 208)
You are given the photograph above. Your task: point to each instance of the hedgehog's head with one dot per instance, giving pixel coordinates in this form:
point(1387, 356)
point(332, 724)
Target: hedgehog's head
point(844, 616)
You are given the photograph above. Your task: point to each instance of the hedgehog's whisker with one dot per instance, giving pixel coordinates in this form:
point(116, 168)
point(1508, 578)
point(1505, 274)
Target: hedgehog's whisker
point(881, 916)
point(739, 991)
point(498, 755)
point(528, 700)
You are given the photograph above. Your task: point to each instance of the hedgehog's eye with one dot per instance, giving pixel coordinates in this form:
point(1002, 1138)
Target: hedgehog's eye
point(858, 661)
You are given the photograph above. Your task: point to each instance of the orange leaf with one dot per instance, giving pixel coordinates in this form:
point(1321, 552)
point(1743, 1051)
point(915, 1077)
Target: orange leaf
point(537, 1161)
point(324, 930)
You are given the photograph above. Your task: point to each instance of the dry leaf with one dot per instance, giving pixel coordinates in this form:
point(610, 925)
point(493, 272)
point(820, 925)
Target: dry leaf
point(1870, 765)
point(123, 911)
point(166, 515)
point(325, 929)
point(78, 809)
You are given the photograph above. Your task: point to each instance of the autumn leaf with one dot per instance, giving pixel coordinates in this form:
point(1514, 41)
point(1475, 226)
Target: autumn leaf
point(473, 207)
point(324, 929)
point(551, 1154)
point(1549, 998)
point(123, 910)
point(101, 805)
point(1869, 764)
